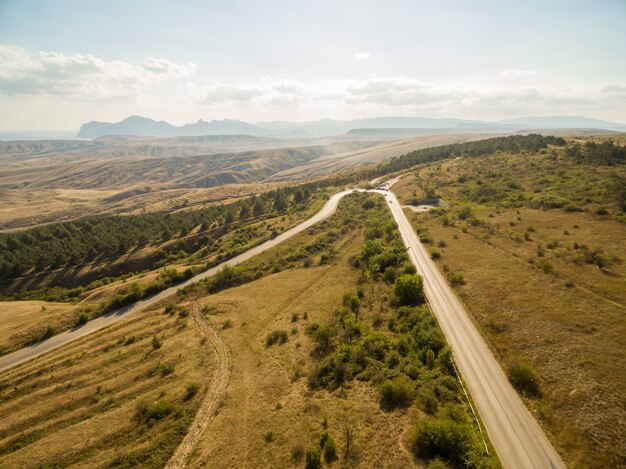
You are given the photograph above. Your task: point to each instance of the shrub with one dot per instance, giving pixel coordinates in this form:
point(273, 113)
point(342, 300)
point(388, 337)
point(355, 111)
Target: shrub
point(83, 318)
point(167, 369)
point(435, 254)
point(276, 337)
point(398, 392)
point(409, 290)
point(546, 266)
point(268, 436)
point(130, 340)
point(156, 343)
point(192, 390)
point(330, 449)
point(49, 332)
point(313, 458)
point(456, 278)
point(524, 378)
point(227, 324)
point(297, 453)
point(443, 438)
point(150, 412)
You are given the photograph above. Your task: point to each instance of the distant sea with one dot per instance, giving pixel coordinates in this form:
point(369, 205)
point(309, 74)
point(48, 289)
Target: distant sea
point(38, 136)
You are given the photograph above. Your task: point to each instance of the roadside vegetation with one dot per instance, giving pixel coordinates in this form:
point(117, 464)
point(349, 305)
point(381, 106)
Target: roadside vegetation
point(345, 359)
point(533, 242)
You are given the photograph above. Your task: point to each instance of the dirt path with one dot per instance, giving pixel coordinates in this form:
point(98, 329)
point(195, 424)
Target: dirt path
point(211, 400)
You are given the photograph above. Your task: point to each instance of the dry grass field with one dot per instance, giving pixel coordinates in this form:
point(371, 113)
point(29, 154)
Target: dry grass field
point(23, 321)
point(534, 287)
point(111, 399)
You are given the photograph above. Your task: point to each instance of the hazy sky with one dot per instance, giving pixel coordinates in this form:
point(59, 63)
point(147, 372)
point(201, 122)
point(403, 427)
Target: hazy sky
point(63, 63)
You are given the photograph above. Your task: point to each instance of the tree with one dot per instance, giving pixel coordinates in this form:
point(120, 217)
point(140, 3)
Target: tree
point(258, 208)
point(409, 290)
point(298, 197)
point(280, 202)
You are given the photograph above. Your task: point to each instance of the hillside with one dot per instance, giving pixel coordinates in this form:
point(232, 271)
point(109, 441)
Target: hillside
point(45, 181)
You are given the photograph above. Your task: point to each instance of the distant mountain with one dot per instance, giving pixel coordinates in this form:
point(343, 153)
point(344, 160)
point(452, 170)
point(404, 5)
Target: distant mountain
point(564, 122)
point(141, 126)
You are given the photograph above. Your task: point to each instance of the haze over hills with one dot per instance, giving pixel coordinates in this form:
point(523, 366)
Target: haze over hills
point(141, 126)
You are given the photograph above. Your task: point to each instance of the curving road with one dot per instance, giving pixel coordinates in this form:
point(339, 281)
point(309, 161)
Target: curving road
point(515, 434)
point(518, 439)
point(28, 353)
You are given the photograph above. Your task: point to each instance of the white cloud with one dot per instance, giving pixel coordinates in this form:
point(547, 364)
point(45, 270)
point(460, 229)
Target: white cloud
point(107, 90)
point(82, 76)
point(518, 73)
point(361, 55)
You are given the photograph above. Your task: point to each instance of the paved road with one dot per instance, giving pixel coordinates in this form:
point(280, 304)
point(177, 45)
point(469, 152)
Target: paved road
point(28, 353)
point(518, 439)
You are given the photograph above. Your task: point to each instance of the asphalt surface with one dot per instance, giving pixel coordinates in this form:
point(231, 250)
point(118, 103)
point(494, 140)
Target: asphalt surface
point(513, 431)
point(28, 353)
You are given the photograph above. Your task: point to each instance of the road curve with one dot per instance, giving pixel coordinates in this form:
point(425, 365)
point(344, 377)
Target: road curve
point(28, 353)
point(514, 432)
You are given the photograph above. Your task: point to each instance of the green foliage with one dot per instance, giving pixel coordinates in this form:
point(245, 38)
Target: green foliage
point(604, 153)
point(328, 446)
point(83, 318)
point(397, 392)
point(150, 412)
point(313, 458)
point(435, 254)
point(409, 290)
point(49, 332)
point(103, 238)
point(276, 337)
point(524, 377)
point(191, 390)
point(156, 343)
point(268, 436)
point(451, 441)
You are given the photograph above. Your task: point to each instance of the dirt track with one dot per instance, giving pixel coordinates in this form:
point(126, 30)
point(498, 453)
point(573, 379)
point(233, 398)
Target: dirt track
point(217, 386)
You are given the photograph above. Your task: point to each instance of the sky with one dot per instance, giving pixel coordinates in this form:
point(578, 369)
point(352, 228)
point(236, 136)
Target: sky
point(67, 62)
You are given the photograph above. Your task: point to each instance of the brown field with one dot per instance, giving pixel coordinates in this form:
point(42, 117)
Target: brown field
point(24, 321)
point(77, 406)
point(533, 300)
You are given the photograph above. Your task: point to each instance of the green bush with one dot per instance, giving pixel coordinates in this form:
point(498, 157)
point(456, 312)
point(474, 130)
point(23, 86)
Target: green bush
point(398, 392)
point(409, 290)
point(49, 332)
point(192, 390)
point(329, 449)
point(524, 378)
point(313, 458)
point(276, 337)
point(435, 254)
point(83, 318)
point(156, 343)
point(150, 412)
point(443, 438)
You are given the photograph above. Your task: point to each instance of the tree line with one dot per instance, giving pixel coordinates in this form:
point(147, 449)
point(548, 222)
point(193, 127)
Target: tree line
point(102, 238)
point(604, 153)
